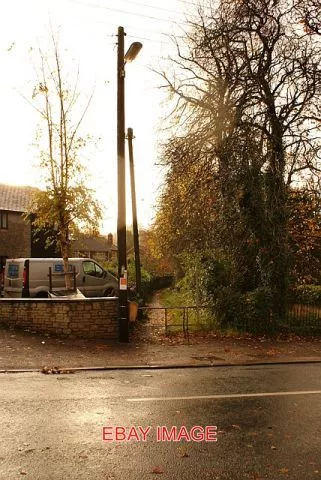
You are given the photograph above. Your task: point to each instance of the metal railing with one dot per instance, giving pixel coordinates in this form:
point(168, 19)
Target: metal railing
point(304, 318)
point(300, 319)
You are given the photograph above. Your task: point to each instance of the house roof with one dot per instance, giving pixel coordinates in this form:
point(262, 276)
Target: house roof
point(93, 244)
point(15, 198)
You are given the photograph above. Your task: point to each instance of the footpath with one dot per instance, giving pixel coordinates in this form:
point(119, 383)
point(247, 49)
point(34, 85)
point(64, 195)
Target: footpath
point(23, 350)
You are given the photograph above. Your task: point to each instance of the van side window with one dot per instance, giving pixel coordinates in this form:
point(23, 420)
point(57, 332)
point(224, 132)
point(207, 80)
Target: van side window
point(91, 268)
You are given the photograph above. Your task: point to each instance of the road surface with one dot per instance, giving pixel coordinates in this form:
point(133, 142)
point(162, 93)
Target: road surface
point(268, 421)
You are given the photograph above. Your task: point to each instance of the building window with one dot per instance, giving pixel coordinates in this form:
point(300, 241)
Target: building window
point(3, 220)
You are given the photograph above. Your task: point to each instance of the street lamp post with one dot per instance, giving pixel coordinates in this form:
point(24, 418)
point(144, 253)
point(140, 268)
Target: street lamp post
point(122, 59)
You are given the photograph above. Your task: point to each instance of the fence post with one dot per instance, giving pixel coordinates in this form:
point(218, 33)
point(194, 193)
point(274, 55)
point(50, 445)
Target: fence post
point(184, 319)
point(187, 318)
point(165, 311)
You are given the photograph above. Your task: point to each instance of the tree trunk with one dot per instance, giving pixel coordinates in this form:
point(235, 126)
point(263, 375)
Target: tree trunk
point(65, 256)
point(278, 254)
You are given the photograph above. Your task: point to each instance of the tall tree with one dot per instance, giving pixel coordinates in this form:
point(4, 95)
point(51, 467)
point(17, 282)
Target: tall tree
point(188, 199)
point(67, 203)
point(248, 85)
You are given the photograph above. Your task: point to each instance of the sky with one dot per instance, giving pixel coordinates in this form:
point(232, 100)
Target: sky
point(87, 31)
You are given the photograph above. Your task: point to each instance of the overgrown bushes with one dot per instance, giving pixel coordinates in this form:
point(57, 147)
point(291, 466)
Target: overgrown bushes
point(306, 295)
point(251, 311)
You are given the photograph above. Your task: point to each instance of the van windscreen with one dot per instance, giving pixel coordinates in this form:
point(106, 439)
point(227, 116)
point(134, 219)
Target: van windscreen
point(13, 270)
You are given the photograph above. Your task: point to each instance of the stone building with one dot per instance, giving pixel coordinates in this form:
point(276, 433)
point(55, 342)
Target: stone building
point(99, 248)
point(15, 231)
point(17, 237)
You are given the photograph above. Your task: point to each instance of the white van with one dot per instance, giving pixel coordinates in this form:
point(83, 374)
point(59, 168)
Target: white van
point(29, 277)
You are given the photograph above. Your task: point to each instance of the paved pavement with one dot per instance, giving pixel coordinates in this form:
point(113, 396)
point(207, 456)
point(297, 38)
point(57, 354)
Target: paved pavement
point(28, 350)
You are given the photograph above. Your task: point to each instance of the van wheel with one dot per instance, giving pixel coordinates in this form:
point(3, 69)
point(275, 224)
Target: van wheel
point(110, 292)
point(42, 295)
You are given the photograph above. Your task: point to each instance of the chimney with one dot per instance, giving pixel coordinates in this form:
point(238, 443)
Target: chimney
point(110, 239)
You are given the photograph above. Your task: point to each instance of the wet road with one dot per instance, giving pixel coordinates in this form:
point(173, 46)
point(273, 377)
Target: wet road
point(268, 424)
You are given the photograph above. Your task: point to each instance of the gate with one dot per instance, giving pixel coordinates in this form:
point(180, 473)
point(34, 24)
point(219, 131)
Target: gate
point(179, 319)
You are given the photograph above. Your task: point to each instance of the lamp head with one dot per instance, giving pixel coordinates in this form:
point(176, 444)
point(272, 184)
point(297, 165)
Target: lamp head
point(132, 52)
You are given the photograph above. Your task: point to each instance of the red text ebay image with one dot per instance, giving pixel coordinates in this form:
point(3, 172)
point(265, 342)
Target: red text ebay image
point(161, 433)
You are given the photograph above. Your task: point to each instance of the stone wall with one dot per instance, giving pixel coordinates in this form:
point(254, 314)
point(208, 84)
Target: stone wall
point(76, 318)
point(15, 241)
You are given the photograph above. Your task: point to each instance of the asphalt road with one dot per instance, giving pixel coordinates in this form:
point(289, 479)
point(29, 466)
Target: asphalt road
point(268, 424)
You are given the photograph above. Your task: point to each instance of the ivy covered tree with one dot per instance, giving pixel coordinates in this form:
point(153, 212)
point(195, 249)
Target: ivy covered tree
point(248, 89)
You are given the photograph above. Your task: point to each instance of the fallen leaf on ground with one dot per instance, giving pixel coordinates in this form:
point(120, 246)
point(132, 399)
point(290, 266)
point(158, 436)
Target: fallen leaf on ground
point(157, 470)
point(183, 452)
point(284, 470)
point(253, 476)
point(272, 352)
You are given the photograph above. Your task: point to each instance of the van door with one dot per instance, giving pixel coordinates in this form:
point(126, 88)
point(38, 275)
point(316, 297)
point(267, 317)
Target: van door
point(92, 280)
